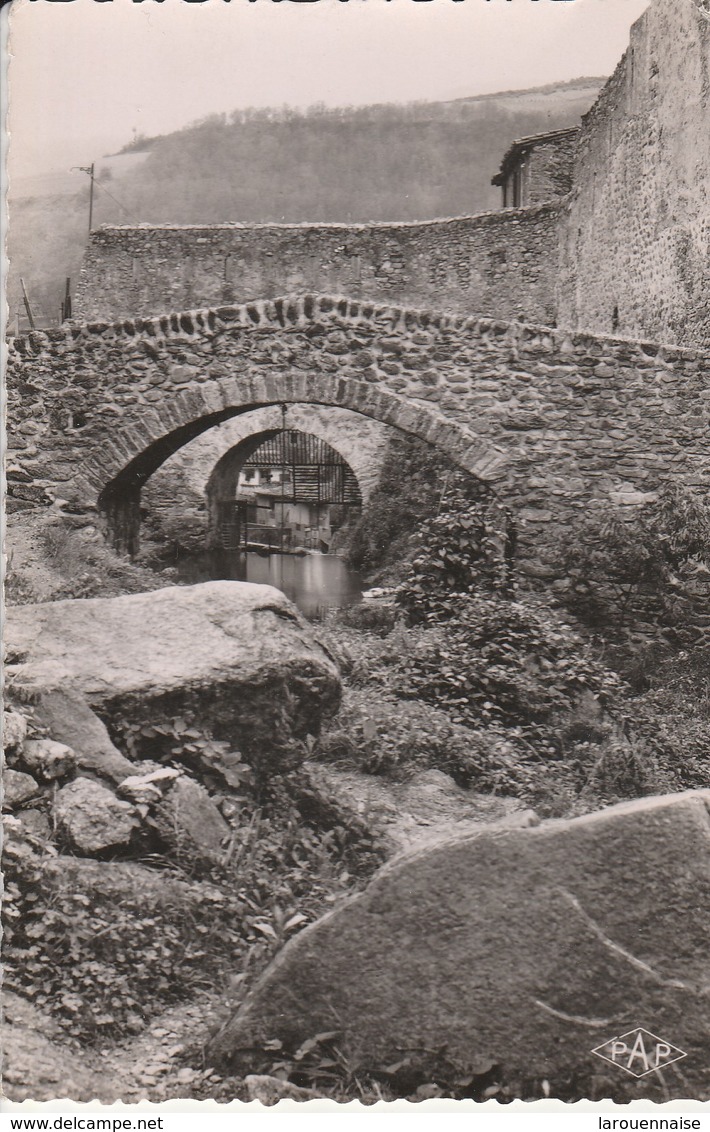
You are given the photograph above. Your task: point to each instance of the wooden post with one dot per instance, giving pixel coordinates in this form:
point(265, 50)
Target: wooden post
point(28, 308)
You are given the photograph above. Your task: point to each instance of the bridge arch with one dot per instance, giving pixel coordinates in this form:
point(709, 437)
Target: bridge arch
point(361, 441)
point(117, 470)
point(222, 487)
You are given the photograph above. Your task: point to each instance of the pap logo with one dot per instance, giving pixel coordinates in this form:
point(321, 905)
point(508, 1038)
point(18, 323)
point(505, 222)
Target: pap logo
point(639, 1052)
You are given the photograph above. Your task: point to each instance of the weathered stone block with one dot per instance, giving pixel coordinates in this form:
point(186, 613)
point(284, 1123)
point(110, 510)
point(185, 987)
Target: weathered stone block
point(14, 730)
point(520, 948)
point(17, 788)
point(238, 656)
point(90, 819)
point(47, 759)
point(189, 822)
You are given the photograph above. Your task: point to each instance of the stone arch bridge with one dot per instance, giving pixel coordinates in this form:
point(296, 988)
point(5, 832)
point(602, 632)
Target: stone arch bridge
point(553, 422)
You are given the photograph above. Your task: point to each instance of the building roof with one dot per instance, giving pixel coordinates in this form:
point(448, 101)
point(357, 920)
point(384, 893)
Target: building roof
point(522, 145)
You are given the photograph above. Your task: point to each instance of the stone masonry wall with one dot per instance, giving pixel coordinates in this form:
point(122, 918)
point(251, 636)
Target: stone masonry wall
point(555, 422)
point(627, 253)
point(636, 245)
point(501, 264)
point(541, 168)
point(548, 170)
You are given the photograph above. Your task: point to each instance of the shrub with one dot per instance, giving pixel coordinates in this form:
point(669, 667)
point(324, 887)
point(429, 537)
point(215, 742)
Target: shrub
point(88, 566)
point(497, 661)
point(623, 770)
point(373, 617)
point(414, 480)
point(103, 965)
point(548, 769)
point(673, 717)
point(384, 736)
point(621, 564)
point(466, 549)
point(171, 531)
point(182, 741)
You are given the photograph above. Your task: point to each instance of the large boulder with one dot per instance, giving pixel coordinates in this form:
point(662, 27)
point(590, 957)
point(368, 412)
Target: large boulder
point(520, 948)
point(238, 657)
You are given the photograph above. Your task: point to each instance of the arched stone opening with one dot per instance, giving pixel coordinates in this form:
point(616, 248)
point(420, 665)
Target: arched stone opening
point(557, 420)
point(149, 439)
point(315, 476)
point(221, 489)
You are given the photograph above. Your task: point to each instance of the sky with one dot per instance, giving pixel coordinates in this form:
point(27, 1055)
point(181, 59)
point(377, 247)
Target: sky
point(85, 76)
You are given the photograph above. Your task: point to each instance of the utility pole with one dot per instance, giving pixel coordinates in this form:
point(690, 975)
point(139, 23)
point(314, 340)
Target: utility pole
point(91, 196)
point(66, 305)
point(26, 301)
point(90, 170)
point(283, 473)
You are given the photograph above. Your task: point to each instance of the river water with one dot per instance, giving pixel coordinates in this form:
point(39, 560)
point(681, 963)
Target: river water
point(316, 583)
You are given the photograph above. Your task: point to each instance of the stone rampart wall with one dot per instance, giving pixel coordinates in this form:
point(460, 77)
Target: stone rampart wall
point(636, 242)
point(501, 264)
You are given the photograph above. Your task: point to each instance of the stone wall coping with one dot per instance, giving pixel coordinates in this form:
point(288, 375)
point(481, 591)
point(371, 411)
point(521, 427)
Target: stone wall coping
point(492, 217)
point(304, 309)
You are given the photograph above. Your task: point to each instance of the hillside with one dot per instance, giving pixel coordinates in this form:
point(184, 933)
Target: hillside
point(371, 163)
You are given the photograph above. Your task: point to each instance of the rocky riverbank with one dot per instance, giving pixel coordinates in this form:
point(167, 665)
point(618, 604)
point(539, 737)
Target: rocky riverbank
point(195, 775)
point(165, 830)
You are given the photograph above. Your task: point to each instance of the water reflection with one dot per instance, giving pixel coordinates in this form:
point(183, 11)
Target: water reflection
point(315, 582)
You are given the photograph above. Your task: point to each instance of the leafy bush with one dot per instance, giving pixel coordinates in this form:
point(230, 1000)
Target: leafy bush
point(181, 741)
point(466, 549)
point(472, 650)
point(624, 770)
point(653, 558)
point(673, 718)
point(549, 768)
point(52, 559)
point(373, 617)
point(413, 482)
point(89, 566)
point(102, 966)
point(501, 693)
point(170, 531)
point(497, 661)
point(384, 736)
